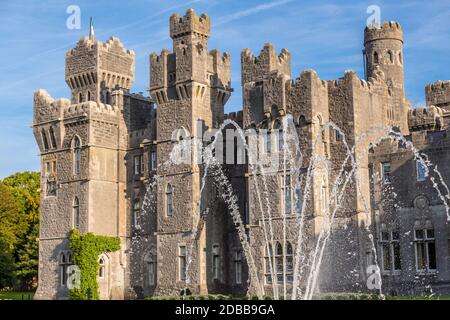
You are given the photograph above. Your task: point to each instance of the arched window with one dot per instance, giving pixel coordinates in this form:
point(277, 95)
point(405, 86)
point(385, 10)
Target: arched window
point(76, 155)
point(101, 267)
point(136, 211)
point(76, 213)
point(289, 262)
point(88, 96)
point(150, 263)
point(302, 121)
point(63, 268)
point(169, 200)
point(279, 262)
point(375, 58)
point(391, 56)
point(80, 97)
point(44, 139)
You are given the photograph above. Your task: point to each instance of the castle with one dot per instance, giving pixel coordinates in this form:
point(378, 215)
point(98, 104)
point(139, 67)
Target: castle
point(102, 166)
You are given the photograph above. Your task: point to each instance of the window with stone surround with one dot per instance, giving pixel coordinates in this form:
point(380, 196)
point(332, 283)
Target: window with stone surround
point(216, 261)
point(169, 200)
point(52, 138)
point(182, 262)
point(101, 267)
point(279, 263)
point(376, 59)
point(76, 213)
point(425, 250)
point(153, 160)
point(139, 165)
point(421, 171)
point(390, 251)
point(238, 266)
point(136, 211)
point(76, 145)
point(286, 194)
point(386, 172)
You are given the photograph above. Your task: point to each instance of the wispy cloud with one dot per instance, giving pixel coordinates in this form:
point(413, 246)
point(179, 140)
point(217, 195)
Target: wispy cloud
point(250, 11)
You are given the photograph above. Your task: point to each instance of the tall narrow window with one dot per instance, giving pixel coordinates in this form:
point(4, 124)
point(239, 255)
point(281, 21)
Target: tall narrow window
point(169, 200)
point(391, 56)
point(80, 97)
point(280, 135)
point(421, 171)
point(44, 139)
point(376, 60)
point(88, 96)
point(298, 198)
point(269, 267)
point(63, 269)
point(425, 250)
point(52, 138)
point(151, 269)
point(216, 261)
point(238, 266)
point(182, 262)
point(267, 142)
point(153, 160)
point(400, 59)
point(101, 268)
point(138, 165)
point(286, 194)
point(279, 262)
point(77, 155)
point(386, 172)
point(289, 262)
point(76, 213)
point(136, 211)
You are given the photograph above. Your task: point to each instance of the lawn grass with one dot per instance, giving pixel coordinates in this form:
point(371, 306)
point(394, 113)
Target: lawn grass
point(16, 295)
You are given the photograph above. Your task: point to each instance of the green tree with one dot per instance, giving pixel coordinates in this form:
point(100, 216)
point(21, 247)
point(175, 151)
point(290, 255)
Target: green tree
point(7, 275)
point(24, 186)
point(12, 225)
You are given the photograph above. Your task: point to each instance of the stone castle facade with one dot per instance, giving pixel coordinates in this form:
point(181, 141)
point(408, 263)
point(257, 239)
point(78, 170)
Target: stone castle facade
point(103, 149)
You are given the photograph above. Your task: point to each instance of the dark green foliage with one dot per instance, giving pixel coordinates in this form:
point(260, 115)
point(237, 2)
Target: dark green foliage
point(7, 275)
point(86, 251)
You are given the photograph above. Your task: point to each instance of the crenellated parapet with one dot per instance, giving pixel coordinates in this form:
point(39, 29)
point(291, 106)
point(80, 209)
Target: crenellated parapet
point(47, 109)
point(94, 66)
point(220, 65)
point(426, 119)
point(188, 24)
point(255, 68)
point(438, 94)
point(387, 30)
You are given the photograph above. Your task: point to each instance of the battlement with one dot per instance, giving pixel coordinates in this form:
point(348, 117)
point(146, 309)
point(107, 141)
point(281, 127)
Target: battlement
point(91, 110)
point(438, 94)
point(109, 62)
point(308, 75)
point(189, 23)
point(254, 68)
point(388, 30)
point(430, 118)
point(46, 108)
point(237, 117)
point(221, 66)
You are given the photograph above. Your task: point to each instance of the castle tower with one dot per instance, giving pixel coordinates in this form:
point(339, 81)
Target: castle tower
point(383, 47)
point(190, 86)
point(94, 69)
point(83, 143)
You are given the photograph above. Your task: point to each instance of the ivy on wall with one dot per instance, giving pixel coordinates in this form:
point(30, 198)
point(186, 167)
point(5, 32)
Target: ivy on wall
point(86, 251)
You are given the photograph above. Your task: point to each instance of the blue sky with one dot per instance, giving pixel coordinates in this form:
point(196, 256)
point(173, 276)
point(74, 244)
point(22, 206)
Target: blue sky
point(324, 35)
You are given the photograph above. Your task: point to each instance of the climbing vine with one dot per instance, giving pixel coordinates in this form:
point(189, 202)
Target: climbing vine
point(86, 250)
